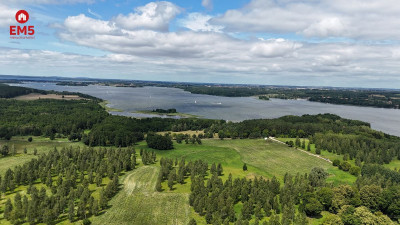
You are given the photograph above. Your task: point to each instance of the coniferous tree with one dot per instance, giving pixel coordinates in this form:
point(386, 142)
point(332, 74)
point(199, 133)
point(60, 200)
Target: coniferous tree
point(103, 199)
point(219, 169)
point(158, 184)
point(71, 210)
point(244, 167)
point(8, 210)
point(171, 179)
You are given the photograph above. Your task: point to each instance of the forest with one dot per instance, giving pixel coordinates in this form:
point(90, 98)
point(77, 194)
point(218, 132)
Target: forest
point(300, 196)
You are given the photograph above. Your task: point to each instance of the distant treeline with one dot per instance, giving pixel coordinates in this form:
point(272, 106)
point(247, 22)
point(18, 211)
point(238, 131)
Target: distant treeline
point(7, 91)
point(381, 99)
point(72, 83)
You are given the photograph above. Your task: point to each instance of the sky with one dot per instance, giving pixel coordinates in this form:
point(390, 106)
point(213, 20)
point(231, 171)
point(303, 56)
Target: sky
point(344, 43)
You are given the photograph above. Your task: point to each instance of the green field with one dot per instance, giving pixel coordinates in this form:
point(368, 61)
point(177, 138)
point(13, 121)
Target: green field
point(139, 203)
point(263, 158)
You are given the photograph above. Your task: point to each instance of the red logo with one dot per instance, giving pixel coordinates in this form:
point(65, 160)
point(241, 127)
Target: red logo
point(22, 16)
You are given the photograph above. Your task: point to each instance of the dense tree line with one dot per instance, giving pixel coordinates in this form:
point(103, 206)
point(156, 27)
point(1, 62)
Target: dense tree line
point(291, 126)
point(67, 173)
point(362, 148)
point(7, 91)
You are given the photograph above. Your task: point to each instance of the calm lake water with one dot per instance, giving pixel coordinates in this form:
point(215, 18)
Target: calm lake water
point(228, 108)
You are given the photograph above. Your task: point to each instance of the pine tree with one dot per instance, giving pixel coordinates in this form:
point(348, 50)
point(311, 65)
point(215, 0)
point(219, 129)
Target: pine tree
point(103, 199)
point(257, 211)
point(8, 210)
point(158, 184)
point(171, 177)
point(49, 180)
point(99, 179)
point(219, 169)
point(71, 210)
point(18, 211)
point(244, 167)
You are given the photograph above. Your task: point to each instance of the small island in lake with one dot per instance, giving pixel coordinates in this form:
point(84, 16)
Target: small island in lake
point(167, 112)
point(164, 111)
point(263, 97)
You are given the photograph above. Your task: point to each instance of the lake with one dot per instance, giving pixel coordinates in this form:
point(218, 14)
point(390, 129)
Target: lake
point(235, 109)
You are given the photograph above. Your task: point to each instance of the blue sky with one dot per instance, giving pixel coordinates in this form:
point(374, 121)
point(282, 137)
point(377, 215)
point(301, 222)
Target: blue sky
point(342, 43)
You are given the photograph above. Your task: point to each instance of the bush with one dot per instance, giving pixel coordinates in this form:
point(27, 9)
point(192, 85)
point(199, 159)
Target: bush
point(355, 170)
point(336, 162)
point(159, 142)
point(313, 207)
point(345, 166)
point(30, 139)
point(318, 151)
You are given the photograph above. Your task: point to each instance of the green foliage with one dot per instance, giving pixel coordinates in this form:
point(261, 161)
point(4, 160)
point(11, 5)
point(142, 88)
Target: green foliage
point(313, 207)
point(159, 142)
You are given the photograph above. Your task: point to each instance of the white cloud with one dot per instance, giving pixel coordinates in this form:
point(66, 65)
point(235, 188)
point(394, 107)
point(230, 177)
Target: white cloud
point(208, 4)
point(7, 15)
point(274, 48)
point(153, 16)
point(327, 27)
point(358, 19)
point(82, 24)
point(199, 22)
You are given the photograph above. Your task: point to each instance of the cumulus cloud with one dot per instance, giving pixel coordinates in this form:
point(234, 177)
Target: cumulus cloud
point(153, 16)
point(358, 19)
point(274, 48)
point(199, 22)
point(327, 27)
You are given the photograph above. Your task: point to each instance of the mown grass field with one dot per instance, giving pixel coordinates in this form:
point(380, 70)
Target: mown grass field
point(139, 203)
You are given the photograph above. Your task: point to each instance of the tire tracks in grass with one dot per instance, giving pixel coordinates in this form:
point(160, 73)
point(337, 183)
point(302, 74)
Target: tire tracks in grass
point(139, 203)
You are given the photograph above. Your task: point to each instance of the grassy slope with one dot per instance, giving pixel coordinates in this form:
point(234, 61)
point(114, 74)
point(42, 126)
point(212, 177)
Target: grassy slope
point(337, 176)
point(139, 203)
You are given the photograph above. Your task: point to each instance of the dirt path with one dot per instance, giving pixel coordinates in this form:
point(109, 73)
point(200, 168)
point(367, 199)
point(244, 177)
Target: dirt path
point(309, 153)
